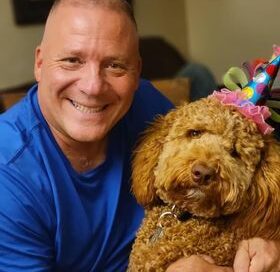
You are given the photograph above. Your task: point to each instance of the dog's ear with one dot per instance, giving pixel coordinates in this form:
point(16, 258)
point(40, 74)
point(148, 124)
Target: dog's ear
point(146, 157)
point(264, 196)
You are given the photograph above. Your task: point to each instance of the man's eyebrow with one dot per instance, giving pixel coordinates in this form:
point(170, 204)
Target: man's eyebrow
point(115, 58)
point(71, 49)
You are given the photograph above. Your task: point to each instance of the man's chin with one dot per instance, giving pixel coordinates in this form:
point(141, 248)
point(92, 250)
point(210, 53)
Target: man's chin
point(88, 138)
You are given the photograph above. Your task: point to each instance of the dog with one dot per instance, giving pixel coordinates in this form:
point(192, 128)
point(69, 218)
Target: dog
point(207, 178)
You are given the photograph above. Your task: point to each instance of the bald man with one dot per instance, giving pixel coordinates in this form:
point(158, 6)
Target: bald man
point(65, 149)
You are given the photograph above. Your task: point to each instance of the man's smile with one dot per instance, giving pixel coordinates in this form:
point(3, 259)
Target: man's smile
point(86, 109)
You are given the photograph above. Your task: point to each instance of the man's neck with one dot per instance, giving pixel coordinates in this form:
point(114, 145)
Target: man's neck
point(82, 156)
point(82, 163)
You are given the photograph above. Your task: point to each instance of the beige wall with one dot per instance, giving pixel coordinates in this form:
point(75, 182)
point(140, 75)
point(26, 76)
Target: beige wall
point(224, 33)
point(218, 33)
point(165, 18)
point(16, 48)
point(154, 17)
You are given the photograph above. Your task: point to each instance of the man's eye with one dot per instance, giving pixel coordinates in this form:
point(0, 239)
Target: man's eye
point(72, 60)
point(71, 63)
point(116, 68)
point(114, 65)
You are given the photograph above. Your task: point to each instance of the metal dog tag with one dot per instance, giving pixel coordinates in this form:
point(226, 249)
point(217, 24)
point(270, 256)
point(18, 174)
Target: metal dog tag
point(159, 230)
point(156, 235)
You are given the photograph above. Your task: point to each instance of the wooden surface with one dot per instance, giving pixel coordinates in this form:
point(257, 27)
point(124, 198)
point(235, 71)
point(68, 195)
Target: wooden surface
point(177, 90)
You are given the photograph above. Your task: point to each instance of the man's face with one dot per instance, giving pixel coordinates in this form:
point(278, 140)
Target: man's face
point(87, 69)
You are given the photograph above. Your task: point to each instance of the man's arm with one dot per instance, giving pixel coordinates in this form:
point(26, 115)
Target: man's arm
point(258, 255)
point(253, 255)
point(196, 264)
point(25, 243)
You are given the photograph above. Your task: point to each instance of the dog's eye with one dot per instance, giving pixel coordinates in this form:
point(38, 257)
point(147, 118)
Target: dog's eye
point(193, 133)
point(234, 153)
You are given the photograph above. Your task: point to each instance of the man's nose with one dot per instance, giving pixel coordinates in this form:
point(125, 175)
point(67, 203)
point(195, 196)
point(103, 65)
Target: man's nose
point(91, 80)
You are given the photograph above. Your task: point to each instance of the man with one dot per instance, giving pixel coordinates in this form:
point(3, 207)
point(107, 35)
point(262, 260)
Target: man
point(65, 149)
point(65, 201)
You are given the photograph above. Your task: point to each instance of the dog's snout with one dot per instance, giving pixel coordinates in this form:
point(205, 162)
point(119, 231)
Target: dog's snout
point(202, 173)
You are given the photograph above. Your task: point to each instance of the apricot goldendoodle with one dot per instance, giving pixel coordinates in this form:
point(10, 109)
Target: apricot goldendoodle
point(207, 178)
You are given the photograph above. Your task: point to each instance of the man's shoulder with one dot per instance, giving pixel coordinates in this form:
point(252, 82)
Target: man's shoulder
point(17, 127)
point(149, 101)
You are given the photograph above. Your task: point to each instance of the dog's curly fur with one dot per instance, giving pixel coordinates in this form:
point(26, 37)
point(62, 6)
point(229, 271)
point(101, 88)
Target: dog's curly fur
point(210, 161)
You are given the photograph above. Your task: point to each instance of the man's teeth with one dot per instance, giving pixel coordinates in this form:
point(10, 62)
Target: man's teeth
point(85, 109)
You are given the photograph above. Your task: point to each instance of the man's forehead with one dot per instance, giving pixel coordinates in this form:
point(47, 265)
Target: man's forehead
point(119, 6)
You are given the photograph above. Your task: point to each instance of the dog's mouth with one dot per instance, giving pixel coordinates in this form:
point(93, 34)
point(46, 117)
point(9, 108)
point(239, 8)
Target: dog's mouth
point(202, 201)
point(194, 193)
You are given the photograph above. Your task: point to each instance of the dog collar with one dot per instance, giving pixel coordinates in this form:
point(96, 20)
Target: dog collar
point(174, 213)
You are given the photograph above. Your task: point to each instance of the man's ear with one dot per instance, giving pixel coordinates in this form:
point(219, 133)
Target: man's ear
point(138, 71)
point(38, 63)
point(139, 66)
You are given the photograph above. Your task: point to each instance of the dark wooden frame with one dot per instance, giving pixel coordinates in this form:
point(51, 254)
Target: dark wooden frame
point(31, 11)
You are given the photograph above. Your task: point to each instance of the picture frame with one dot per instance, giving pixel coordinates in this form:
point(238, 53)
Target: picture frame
point(31, 11)
point(34, 11)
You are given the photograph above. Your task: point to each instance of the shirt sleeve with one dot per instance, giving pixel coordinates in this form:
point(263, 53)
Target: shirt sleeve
point(148, 103)
point(25, 240)
point(153, 101)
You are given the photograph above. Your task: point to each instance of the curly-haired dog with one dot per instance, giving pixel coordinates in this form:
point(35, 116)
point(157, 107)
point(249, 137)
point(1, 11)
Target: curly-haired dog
point(208, 178)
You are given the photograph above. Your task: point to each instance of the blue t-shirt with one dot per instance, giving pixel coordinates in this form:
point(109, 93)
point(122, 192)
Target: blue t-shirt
point(55, 219)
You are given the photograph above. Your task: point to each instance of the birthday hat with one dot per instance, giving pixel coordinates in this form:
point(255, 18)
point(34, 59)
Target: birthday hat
point(261, 83)
point(252, 92)
point(239, 77)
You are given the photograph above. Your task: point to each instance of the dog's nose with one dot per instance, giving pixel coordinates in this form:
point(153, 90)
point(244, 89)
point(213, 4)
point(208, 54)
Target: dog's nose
point(202, 173)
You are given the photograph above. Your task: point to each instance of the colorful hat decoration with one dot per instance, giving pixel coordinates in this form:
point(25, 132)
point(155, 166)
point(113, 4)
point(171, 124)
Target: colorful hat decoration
point(262, 82)
point(247, 95)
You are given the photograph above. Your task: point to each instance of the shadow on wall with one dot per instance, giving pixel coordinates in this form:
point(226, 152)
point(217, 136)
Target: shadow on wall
point(161, 60)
